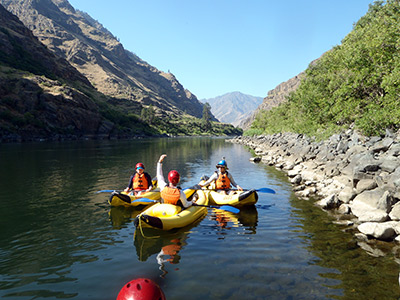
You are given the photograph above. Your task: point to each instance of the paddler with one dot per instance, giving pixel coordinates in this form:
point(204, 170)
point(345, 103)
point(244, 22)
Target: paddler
point(140, 182)
point(171, 193)
point(223, 179)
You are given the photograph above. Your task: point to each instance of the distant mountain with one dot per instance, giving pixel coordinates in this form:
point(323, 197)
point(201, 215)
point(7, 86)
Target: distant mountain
point(99, 56)
point(233, 107)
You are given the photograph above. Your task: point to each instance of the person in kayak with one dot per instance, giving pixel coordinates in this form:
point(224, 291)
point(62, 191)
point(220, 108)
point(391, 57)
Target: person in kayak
point(170, 193)
point(140, 182)
point(222, 178)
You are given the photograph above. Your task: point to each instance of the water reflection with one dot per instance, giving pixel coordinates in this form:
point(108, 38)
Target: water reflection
point(344, 258)
point(120, 215)
point(166, 246)
point(246, 218)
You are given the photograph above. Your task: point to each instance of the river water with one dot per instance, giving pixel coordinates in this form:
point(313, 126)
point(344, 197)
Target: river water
point(61, 240)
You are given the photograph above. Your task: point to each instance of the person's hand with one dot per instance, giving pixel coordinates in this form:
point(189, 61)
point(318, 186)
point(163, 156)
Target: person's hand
point(126, 190)
point(239, 188)
point(162, 158)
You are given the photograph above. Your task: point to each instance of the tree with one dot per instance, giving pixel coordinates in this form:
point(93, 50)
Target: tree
point(148, 114)
point(206, 120)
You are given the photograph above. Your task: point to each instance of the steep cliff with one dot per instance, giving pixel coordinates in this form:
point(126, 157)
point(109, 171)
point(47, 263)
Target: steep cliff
point(43, 97)
point(98, 55)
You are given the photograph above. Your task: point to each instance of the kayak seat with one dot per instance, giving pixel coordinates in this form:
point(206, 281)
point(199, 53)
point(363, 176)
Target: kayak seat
point(165, 210)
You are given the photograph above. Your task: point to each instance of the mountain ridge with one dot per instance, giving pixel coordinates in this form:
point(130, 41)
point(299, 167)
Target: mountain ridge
point(233, 107)
point(98, 55)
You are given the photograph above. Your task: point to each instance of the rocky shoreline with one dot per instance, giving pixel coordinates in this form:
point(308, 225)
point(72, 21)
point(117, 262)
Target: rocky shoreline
point(353, 176)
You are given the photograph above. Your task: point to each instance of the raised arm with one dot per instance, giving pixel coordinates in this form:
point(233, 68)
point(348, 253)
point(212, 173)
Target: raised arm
point(160, 176)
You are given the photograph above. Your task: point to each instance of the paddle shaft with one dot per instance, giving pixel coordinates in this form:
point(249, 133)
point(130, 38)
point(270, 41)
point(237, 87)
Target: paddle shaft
point(223, 207)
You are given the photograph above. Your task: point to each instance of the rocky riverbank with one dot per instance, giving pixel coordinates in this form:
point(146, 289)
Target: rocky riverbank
point(356, 177)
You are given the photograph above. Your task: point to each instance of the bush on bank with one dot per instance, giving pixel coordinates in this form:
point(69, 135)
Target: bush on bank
point(355, 83)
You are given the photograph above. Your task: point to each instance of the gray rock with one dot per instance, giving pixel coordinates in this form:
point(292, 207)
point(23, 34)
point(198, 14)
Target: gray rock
point(382, 145)
point(347, 194)
point(395, 212)
point(382, 231)
point(389, 164)
point(344, 209)
point(329, 202)
point(365, 184)
point(371, 205)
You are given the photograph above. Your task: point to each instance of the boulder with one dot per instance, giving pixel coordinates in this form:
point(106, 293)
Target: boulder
point(395, 212)
point(381, 231)
point(365, 184)
point(347, 194)
point(375, 199)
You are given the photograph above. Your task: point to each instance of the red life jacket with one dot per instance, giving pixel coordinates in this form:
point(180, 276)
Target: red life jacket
point(139, 182)
point(171, 195)
point(223, 182)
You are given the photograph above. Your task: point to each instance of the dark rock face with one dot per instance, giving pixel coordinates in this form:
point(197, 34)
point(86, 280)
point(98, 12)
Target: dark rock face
point(33, 106)
point(21, 50)
point(99, 56)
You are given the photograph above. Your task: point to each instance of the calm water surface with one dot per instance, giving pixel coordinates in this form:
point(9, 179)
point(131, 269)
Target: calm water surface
point(61, 240)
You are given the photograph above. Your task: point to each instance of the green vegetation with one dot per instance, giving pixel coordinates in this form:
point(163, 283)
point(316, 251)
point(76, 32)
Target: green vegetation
point(23, 59)
point(207, 117)
point(355, 83)
point(190, 126)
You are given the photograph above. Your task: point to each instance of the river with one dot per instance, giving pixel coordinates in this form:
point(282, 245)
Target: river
point(59, 239)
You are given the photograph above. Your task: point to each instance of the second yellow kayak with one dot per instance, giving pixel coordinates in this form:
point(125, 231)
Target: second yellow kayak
point(169, 216)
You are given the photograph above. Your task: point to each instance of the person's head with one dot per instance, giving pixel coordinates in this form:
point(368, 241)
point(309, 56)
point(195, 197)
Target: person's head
point(222, 166)
point(139, 168)
point(141, 289)
point(174, 177)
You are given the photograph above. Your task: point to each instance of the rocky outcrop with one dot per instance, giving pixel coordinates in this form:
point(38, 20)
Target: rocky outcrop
point(42, 96)
point(275, 97)
point(20, 49)
point(356, 177)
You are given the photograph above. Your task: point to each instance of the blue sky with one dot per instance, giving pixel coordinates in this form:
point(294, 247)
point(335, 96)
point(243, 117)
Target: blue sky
point(215, 47)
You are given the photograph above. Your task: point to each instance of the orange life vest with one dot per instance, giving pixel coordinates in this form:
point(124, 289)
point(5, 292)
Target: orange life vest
point(223, 182)
point(171, 195)
point(140, 182)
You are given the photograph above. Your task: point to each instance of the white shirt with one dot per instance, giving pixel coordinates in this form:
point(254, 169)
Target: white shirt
point(162, 184)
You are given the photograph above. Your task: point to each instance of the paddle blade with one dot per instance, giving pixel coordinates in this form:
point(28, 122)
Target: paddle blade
point(229, 208)
point(266, 190)
point(105, 191)
point(147, 200)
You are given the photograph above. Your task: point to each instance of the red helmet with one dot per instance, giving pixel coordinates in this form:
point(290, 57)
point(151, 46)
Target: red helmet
point(139, 165)
point(141, 289)
point(174, 177)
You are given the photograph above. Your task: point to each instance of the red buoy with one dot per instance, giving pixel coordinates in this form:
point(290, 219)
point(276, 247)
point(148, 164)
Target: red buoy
point(141, 289)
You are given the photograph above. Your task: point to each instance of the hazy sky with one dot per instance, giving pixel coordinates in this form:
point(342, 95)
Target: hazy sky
point(215, 47)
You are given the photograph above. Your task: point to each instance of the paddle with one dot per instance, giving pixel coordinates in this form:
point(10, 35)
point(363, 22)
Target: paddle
point(223, 207)
point(145, 200)
point(261, 190)
point(106, 191)
point(264, 190)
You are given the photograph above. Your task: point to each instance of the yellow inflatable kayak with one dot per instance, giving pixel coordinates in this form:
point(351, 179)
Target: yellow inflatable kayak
point(124, 199)
point(169, 216)
point(233, 197)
